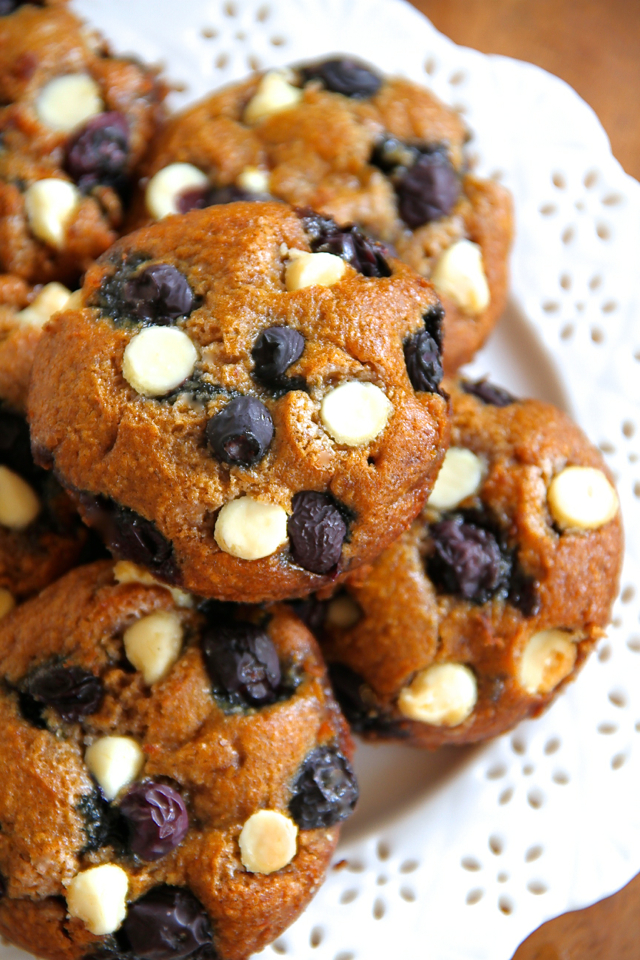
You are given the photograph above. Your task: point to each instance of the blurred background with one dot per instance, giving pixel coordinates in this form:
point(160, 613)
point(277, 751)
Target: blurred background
point(595, 46)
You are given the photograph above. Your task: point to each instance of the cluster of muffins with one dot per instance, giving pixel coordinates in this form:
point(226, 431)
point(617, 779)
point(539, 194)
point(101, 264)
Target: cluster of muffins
point(246, 500)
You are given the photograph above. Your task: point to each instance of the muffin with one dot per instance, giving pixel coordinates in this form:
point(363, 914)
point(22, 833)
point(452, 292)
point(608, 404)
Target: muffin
point(246, 418)
point(487, 607)
point(173, 777)
point(338, 137)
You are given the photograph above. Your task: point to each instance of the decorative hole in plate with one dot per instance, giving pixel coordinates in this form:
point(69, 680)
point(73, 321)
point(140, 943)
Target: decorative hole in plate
point(382, 879)
point(552, 746)
point(408, 894)
point(618, 698)
point(604, 653)
point(430, 66)
point(595, 282)
point(348, 896)
point(548, 209)
point(474, 896)
point(506, 906)
point(565, 281)
point(528, 769)
point(567, 235)
point(280, 947)
point(612, 199)
point(597, 335)
point(567, 331)
point(558, 180)
point(590, 179)
point(518, 745)
point(409, 866)
point(607, 729)
point(470, 863)
point(629, 591)
point(457, 78)
point(633, 643)
point(383, 850)
point(316, 936)
point(345, 956)
point(561, 777)
point(551, 306)
point(379, 908)
point(604, 231)
point(506, 796)
point(535, 798)
point(628, 429)
point(496, 844)
point(263, 14)
point(497, 771)
point(618, 761)
point(537, 887)
point(534, 853)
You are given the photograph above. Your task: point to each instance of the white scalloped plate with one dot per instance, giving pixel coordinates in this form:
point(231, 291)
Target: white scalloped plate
point(461, 854)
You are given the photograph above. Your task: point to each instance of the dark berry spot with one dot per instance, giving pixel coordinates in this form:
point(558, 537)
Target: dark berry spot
point(523, 592)
point(467, 560)
point(241, 432)
point(201, 197)
point(326, 790)
point(3, 882)
point(167, 923)
point(159, 294)
point(71, 691)
point(390, 153)
point(422, 357)
point(488, 392)
point(316, 531)
point(8, 6)
point(428, 190)
point(273, 353)
point(344, 76)
point(312, 612)
point(433, 319)
point(98, 152)
point(31, 710)
point(15, 445)
point(130, 536)
point(157, 818)
point(242, 661)
point(103, 824)
point(365, 255)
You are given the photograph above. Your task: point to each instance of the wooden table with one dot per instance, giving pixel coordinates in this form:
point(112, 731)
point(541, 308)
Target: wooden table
point(595, 46)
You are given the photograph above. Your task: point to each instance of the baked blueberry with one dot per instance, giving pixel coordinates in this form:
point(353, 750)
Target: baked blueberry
point(365, 255)
point(158, 294)
point(240, 433)
point(488, 392)
point(157, 818)
point(98, 153)
point(325, 791)
point(346, 76)
point(422, 357)
point(467, 560)
point(242, 660)
point(201, 197)
point(72, 692)
point(317, 530)
point(428, 190)
point(274, 351)
point(167, 923)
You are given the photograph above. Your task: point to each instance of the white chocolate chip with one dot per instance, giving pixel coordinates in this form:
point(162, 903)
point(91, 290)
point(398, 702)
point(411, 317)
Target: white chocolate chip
point(68, 101)
point(251, 529)
point(274, 94)
point(343, 612)
point(53, 297)
point(114, 762)
point(312, 269)
point(548, 658)
point(165, 188)
point(49, 205)
point(157, 360)
point(253, 180)
point(127, 572)
point(7, 602)
point(582, 497)
point(153, 644)
point(459, 274)
point(98, 897)
point(19, 505)
point(355, 412)
point(268, 841)
point(460, 477)
point(443, 695)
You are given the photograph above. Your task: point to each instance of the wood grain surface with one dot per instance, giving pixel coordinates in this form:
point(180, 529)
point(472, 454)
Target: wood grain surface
point(595, 46)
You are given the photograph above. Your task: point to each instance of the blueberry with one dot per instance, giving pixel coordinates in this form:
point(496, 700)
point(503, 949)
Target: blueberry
point(8, 6)
point(157, 817)
point(316, 530)
point(103, 824)
point(201, 197)
point(433, 319)
point(99, 151)
point(523, 592)
point(422, 357)
point(325, 791)
point(389, 153)
point(130, 537)
point(467, 560)
point(73, 693)
point(428, 190)
point(158, 294)
point(488, 392)
point(274, 351)
point(15, 445)
point(241, 658)
point(344, 76)
point(167, 923)
point(241, 432)
point(365, 255)
point(3, 882)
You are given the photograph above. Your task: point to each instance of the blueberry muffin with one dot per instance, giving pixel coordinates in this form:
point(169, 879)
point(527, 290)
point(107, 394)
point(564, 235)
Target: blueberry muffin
point(74, 123)
point(383, 153)
point(41, 536)
point(490, 603)
point(23, 312)
point(246, 418)
point(173, 777)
